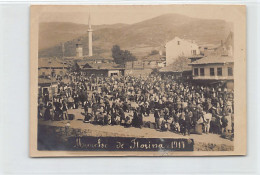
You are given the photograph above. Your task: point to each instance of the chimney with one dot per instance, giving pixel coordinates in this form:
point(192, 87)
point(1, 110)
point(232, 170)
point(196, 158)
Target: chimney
point(221, 42)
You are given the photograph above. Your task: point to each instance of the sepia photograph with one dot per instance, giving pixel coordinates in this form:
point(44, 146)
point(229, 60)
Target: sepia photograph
point(138, 80)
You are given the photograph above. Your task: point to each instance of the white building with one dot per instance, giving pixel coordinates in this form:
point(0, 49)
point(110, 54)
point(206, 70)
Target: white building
point(180, 47)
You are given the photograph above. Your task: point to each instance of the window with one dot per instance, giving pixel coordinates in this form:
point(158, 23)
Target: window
point(113, 74)
point(212, 71)
point(178, 42)
point(202, 72)
point(219, 70)
point(230, 71)
point(196, 71)
point(193, 52)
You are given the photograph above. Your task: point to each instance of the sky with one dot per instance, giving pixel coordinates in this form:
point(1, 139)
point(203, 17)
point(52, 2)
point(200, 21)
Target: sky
point(133, 14)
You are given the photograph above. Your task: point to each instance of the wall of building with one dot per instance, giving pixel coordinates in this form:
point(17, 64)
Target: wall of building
point(51, 89)
point(207, 75)
point(138, 65)
point(113, 72)
point(129, 65)
point(179, 47)
point(79, 52)
point(150, 64)
point(134, 65)
point(102, 72)
point(146, 64)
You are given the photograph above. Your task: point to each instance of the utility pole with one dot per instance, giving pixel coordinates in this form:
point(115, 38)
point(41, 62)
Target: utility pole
point(51, 82)
point(63, 50)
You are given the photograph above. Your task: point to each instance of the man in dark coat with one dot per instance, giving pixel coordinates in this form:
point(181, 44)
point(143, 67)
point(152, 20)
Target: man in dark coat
point(140, 119)
point(47, 113)
point(157, 118)
point(65, 111)
point(135, 119)
point(86, 106)
point(188, 117)
point(224, 122)
point(122, 116)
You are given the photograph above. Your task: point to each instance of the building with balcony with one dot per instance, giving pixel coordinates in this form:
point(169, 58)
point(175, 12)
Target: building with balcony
point(217, 69)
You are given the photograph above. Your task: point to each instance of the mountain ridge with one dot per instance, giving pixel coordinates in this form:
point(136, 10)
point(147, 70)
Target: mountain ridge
point(140, 38)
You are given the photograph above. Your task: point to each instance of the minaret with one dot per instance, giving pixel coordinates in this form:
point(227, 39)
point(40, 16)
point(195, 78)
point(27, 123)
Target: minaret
point(89, 37)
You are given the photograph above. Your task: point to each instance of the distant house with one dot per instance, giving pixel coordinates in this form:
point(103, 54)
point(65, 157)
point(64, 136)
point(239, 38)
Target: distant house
point(103, 69)
point(214, 69)
point(48, 67)
point(47, 86)
point(138, 64)
point(179, 48)
point(224, 48)
point(154, 61)
point(179, 69)
point(93, 60)
point(148, 62)
point(217, 65)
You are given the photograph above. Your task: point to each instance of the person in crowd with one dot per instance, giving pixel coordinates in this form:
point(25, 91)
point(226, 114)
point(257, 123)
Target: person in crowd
point(207, 118)
point(140, 119)
point(157, 118)
point(224, 124)
point(65, 111)
point(47, 113)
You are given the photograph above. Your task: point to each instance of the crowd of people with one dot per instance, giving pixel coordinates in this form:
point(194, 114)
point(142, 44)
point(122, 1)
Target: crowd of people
point(177, 106)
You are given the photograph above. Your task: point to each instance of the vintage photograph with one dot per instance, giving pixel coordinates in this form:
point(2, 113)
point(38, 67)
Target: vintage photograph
point(160, 80)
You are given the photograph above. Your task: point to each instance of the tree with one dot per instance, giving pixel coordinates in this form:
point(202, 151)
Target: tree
point(121, 56)
point(116, 52)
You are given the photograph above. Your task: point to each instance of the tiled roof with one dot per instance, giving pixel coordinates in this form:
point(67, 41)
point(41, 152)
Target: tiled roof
point(102, 66)
point(46, 62)
point(82, 62)
point(156, 57)
point(90, 58)
point(213, 60)
point(195, 56)
point(96, 57)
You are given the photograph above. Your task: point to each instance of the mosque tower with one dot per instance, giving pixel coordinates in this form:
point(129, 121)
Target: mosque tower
point(89, 37)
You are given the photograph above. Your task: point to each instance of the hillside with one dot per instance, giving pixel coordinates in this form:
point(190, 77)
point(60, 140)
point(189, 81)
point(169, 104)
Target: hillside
point(140, 38)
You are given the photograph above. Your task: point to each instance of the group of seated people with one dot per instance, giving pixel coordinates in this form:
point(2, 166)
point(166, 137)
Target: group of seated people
point(184, 122)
